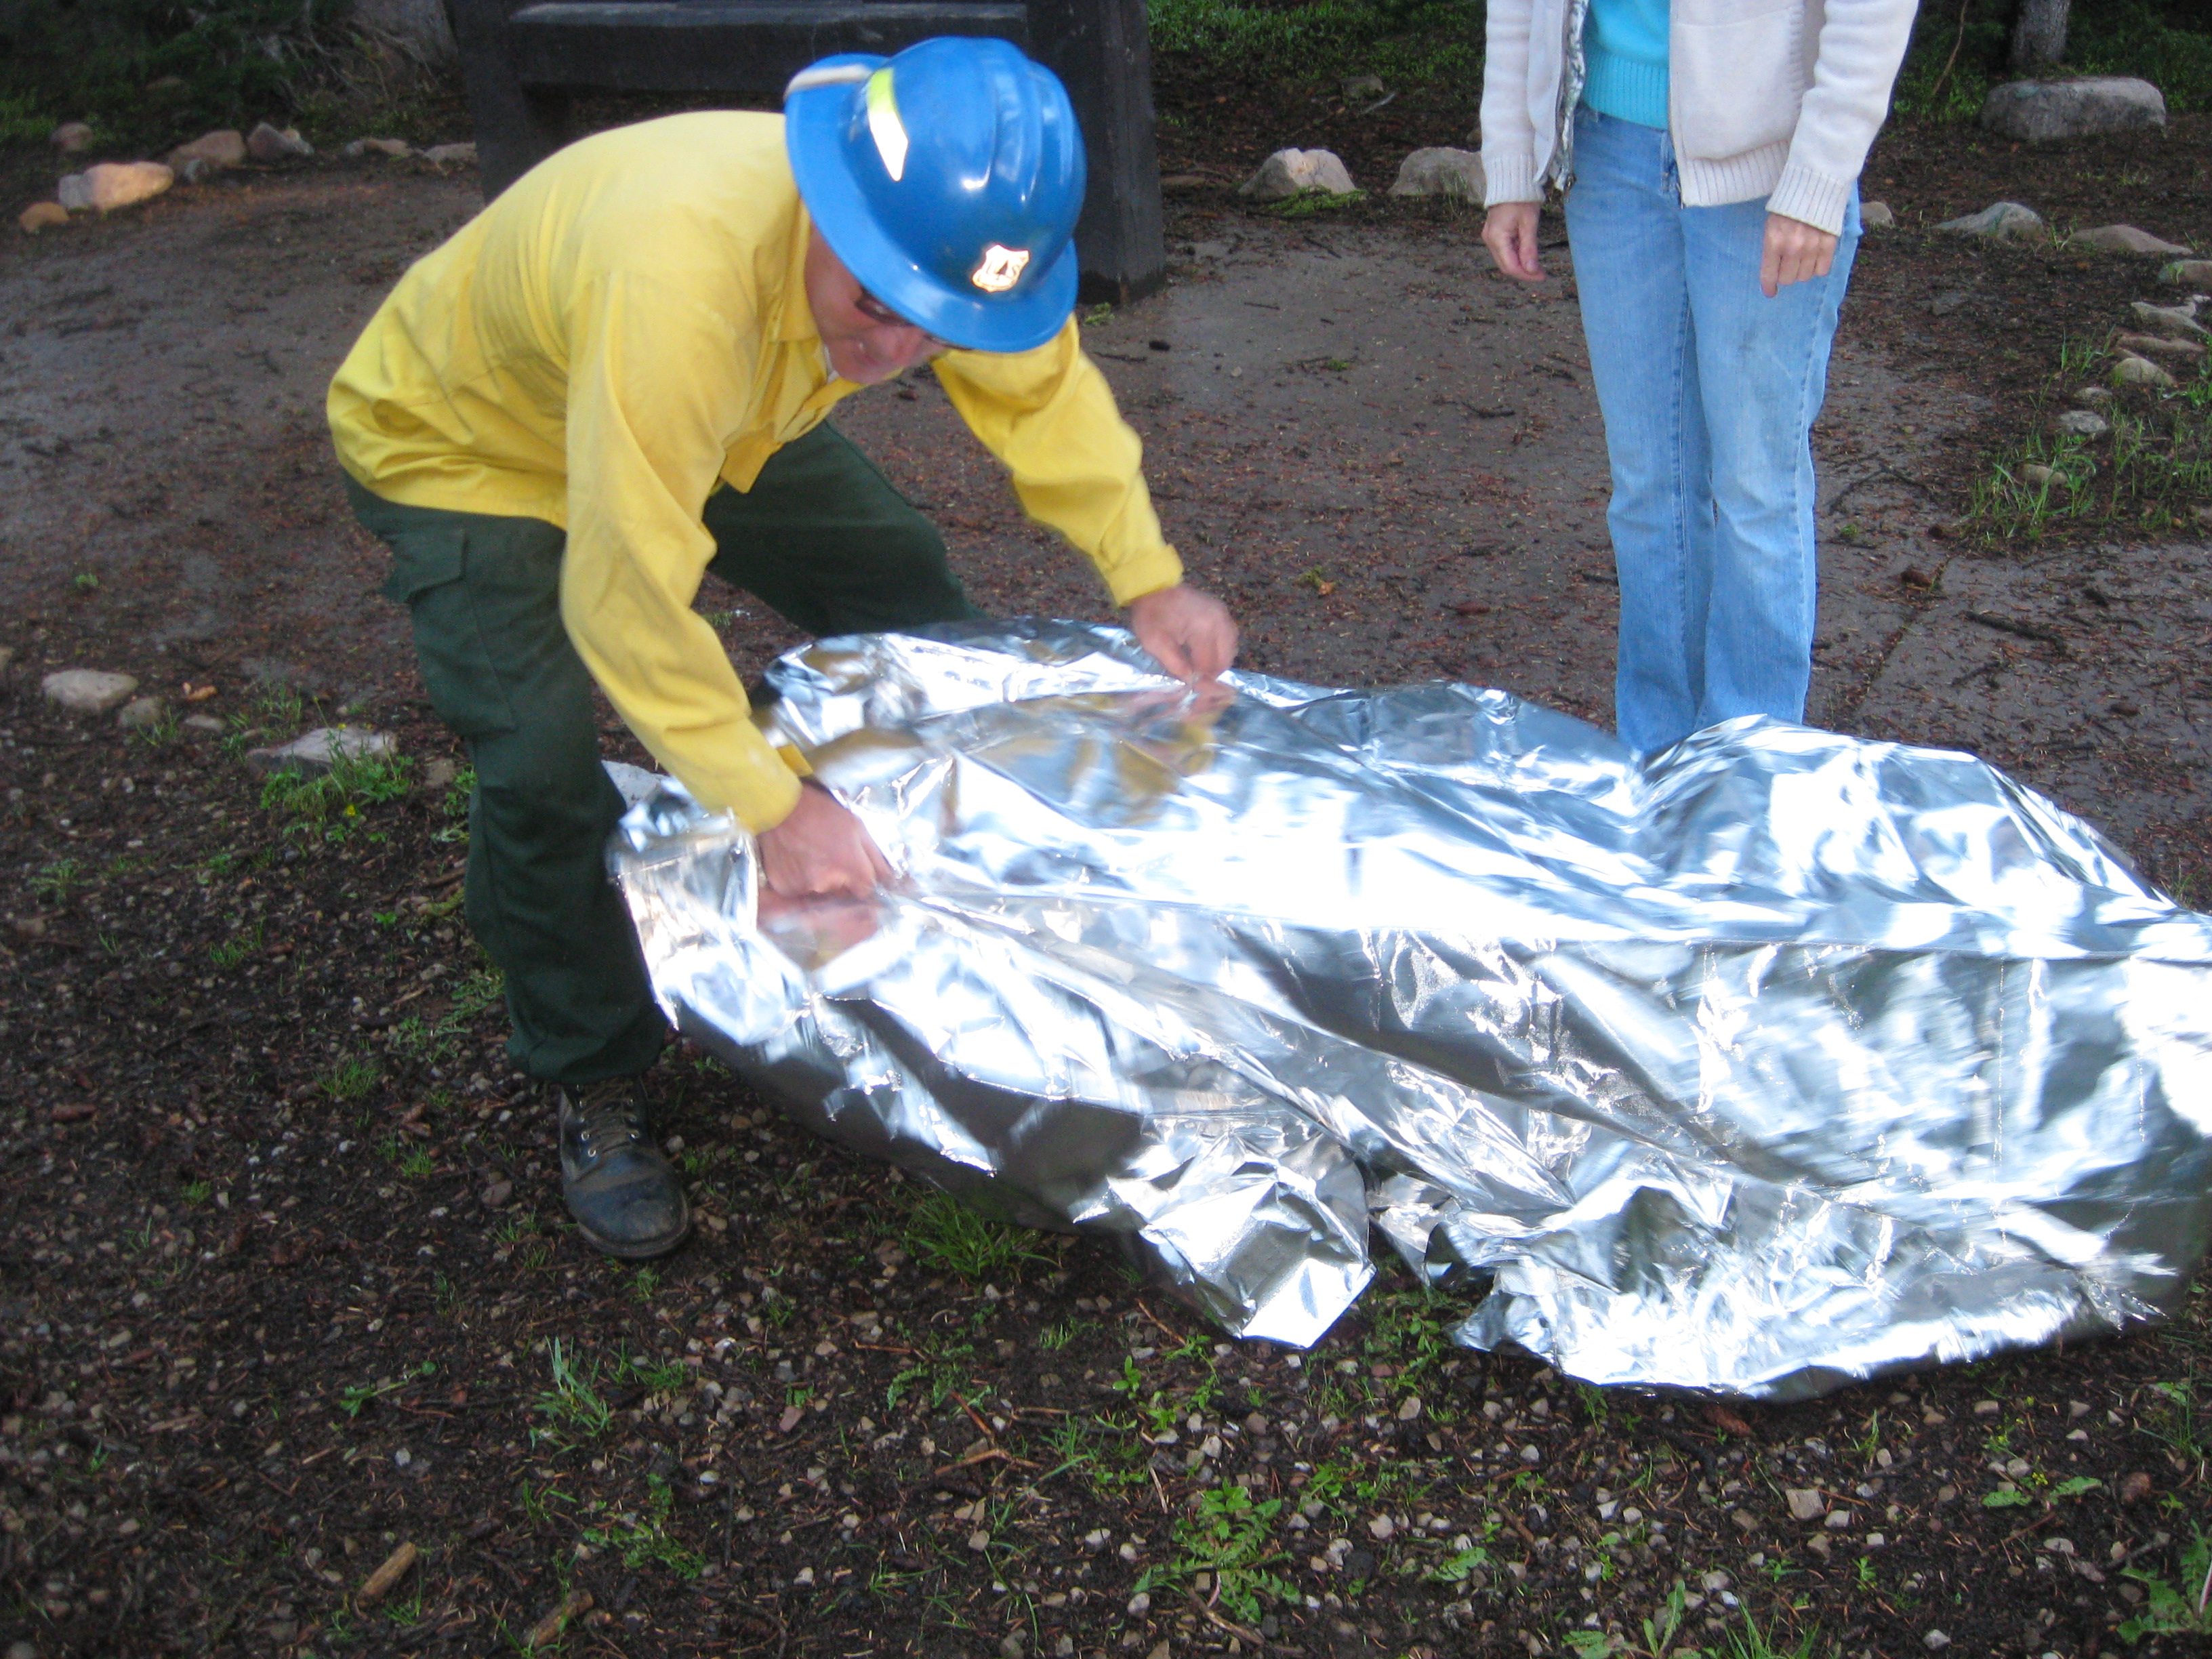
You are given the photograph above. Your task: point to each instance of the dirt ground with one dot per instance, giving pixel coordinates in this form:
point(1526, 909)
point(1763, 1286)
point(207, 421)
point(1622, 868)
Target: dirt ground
point(284, 1283)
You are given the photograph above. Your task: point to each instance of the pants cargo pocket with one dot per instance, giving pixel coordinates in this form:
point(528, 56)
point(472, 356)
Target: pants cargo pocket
point(431, 577)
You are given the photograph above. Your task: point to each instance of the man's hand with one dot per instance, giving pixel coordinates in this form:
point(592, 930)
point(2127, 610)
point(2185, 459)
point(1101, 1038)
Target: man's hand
point(1189, 634)
point(1509, 231)
point(1795, 252)
point(820, 849)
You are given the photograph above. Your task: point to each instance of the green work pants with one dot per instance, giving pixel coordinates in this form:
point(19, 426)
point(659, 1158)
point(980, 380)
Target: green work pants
point(821, 537)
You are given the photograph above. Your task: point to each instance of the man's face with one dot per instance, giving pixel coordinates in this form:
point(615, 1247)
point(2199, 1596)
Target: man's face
point(863, 347)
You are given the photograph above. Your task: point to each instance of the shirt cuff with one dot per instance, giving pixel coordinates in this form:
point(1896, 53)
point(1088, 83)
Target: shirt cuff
point(1811, 197)
point(1509, 177)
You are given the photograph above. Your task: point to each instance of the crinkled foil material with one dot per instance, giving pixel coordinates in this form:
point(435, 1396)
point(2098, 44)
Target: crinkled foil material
point(1782, 1060)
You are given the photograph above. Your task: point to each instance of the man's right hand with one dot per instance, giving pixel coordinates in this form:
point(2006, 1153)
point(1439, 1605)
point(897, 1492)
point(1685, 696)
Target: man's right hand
point(1509, 231)
point(819, 850)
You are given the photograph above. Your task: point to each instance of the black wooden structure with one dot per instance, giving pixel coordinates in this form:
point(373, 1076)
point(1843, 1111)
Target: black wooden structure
point(525, 60)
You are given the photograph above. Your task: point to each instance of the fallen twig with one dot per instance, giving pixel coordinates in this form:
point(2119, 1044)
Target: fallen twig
point(380, 1583)
point(2026, 630)
point(546, 1629)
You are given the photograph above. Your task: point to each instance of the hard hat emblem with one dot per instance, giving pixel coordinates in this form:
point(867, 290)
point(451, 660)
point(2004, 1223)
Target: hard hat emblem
point(1001, 268)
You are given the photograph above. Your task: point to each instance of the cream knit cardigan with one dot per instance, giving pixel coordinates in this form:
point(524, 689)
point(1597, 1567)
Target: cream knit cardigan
point(1773, 98)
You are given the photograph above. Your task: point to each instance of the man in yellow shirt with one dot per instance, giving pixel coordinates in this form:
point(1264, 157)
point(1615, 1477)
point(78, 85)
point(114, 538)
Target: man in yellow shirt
point(614, 380)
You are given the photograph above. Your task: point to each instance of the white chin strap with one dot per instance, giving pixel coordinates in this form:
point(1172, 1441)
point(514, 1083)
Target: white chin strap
point(826, 75)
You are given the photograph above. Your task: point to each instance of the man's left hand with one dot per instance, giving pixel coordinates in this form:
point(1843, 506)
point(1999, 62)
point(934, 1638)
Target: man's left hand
point(1795, 252)
point(1189, 633)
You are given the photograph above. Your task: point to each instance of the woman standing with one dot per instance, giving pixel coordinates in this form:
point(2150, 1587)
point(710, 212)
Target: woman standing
point(1709, 152)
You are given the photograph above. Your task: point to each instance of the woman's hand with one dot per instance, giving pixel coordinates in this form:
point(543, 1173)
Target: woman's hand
point(1509, 231)
point(1795, 252)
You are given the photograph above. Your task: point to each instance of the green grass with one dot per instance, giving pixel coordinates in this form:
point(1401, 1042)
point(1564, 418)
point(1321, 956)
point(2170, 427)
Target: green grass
point(574, 1409)
point(641, 1536)
point(2149, 473)
point(331, 803)
point(349, 1079)
point(1229, 1539)
point(944, 1233)
point(1401, 40)
point(1948, 70)
point(55, 882)
point(235, 949)
point(2169, 1609)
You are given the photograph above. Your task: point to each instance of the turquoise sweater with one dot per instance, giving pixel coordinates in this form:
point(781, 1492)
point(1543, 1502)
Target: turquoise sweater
point(1624, 45)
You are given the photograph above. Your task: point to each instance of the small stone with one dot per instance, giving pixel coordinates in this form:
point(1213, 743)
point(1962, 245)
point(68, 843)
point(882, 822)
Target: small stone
point(268, 143)
point(1139, 1605)
point(2125, 239)
point(1162, 1650)
point(112, 185)
point(2159, 346)
point(1745, 1520)
point(2000, 222)
point(2175, 322)
point(317, 750)
point(1382, 1527)
point(2040, 111)
point(2187, 273)
point(1805, 1503)
point(142, 712)
point(1876, 215)
point(1838, 1520)
point(40, 215)
point(979, 1540)
point(2140, 371)
point(201, 723)
point(451, 156)
point(213, 151)
point(395, 148)
point(70, 137)
point(1531, 1456)
point(1359, 88)
point(2134, 1486)
point(2082, 423)
point(1440, 170)
point(496, 1194)
point(88, 690)
point(1013, 1647)
point(1290, 172)
point(1409, 1408)
point(2094, 397)
point(1936, 1640)
point(1944, 304)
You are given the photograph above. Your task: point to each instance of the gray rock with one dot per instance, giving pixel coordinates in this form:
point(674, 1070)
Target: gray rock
point(1805, 1503)
point(207, 723)
point(1441, 171)
point(212, 152)
point(1358, 89)
point(2140, 371)
point(142, 712)
point(1876, 215)
point(2040, 111)
point(394, 147)
point(451, 154)
point(1290, 172)
point(2159, 346)
point(2124, 239)
point(112, 185)
point(88, 690)
point(2000, 222)
point(70, 136)
point(317, 750)
point(2187, 273)
point(2083, 423)
point(268, 143)
point(2175, 322)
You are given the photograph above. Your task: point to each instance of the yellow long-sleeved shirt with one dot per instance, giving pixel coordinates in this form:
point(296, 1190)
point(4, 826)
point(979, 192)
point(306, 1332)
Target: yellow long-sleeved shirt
point(628, 323)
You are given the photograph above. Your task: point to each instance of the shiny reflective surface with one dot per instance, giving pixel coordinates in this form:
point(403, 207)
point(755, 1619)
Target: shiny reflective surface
point(1782, 1060)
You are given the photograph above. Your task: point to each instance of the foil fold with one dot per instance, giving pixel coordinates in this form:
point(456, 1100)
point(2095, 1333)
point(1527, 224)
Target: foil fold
point(1781, 1060)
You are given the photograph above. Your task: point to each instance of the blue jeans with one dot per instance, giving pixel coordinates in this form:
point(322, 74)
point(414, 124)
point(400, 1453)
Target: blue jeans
point(1708, 389)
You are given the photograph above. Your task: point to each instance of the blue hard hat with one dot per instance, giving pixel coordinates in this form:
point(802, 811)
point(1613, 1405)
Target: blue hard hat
point(948, 179)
